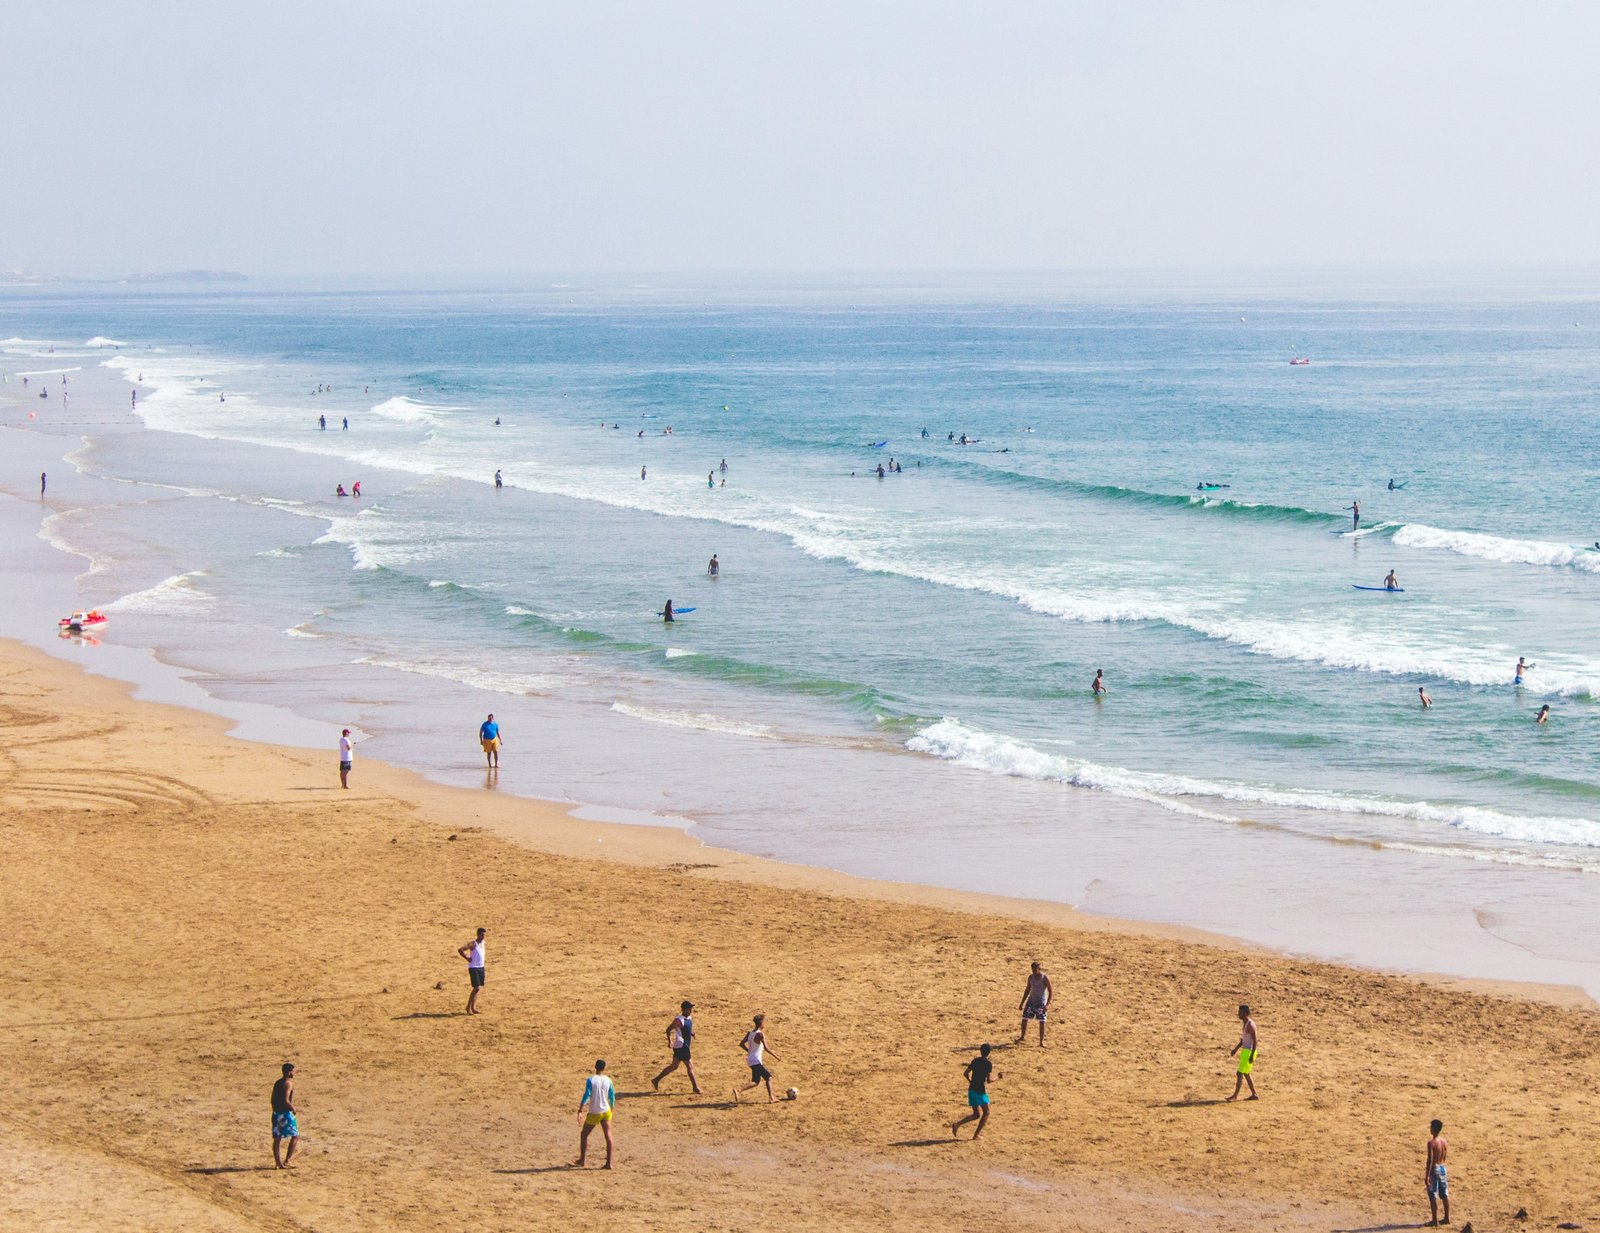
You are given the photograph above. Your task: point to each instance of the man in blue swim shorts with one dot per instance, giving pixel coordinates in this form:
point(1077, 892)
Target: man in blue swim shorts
point(1434, 1175)
point(284, 1125)
point(978, 1072)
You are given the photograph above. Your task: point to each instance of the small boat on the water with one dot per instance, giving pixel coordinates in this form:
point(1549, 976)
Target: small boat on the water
point(80, 621)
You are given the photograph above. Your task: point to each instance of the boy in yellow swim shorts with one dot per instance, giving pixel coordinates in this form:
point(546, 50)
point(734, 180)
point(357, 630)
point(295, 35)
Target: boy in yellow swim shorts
point(1246, 1051)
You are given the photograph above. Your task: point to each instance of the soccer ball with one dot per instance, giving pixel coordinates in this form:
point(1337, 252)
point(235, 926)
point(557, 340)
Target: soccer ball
point(793, 1093)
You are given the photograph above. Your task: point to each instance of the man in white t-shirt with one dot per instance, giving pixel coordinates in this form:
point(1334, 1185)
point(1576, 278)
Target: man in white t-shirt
point(599, 1100)
point(346, 749)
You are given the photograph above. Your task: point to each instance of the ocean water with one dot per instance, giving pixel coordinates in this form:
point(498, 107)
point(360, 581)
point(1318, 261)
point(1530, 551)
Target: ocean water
point(891, 675)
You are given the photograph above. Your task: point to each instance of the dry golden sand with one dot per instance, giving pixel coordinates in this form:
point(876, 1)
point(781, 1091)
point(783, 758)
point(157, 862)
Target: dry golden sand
point(185, 912)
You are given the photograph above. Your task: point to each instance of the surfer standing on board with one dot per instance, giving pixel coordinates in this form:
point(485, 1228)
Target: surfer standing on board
point(1355, 515)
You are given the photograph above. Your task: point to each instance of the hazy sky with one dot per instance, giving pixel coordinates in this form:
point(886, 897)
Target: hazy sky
point(346, 137)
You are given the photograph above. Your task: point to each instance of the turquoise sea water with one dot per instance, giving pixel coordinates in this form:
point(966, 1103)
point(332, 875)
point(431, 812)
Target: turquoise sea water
point(952, 613)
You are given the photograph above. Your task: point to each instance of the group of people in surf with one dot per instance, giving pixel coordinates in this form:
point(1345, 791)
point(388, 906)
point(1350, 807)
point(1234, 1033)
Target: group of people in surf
point(355, 490)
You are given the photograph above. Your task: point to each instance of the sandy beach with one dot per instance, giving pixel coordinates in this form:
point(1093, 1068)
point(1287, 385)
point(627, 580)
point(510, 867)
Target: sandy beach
point(189, 911)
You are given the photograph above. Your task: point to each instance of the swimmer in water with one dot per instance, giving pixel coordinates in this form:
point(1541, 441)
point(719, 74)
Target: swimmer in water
point(1099, 686)
point(880, 470)
point(1390, 582)
point(666, 613)
point(712, 567)
point(1422, 694)
point(1521, 670)
point(711, 479)
point(1543, 717)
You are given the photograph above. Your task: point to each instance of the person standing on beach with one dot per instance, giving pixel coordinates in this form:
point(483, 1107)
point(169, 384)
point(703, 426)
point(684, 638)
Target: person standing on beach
point(498, 481)
point(598, 1103)
point(680, 1039)
point(346, 756)
point(346, 425)
point(489, 738)
point(1035, 999)
point(472, 952)
point(1246, 1051)
point(1422, 693)
point(1434, 1175)
point(978, 1072)
point(43, 480)
point(322, 423)
point(284, 1124)
point(754, 1045)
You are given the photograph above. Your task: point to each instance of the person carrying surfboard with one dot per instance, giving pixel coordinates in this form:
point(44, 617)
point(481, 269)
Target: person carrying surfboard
point(1390, 582)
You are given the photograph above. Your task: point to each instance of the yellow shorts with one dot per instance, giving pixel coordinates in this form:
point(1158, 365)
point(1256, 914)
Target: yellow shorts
point(491, 745)
point(594, 1119)
point(1247, 1061)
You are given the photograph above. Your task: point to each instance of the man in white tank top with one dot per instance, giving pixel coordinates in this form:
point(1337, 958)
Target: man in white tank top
point(756, 1054)
point(680, 1039)
point(473, 953)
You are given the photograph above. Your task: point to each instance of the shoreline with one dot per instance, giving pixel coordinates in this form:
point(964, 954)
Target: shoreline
point(157, 680)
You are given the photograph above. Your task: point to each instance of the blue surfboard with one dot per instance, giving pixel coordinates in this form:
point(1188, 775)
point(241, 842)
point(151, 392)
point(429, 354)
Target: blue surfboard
point(1390, 590)
point(675, 612)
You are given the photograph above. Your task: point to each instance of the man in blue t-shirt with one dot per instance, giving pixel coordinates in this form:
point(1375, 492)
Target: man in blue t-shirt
point(489, 738)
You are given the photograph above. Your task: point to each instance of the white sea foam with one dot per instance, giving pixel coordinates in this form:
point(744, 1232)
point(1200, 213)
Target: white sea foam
point(466, 674)
point(101, 341)
point(411, 411)
point(1497, 548)
point(697, 720)
point(674, 652)
point(953, 741)
point(300, 631)
point(177, 596)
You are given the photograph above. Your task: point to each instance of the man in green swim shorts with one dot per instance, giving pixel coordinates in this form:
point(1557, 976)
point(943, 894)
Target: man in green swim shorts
point(1246, 1051)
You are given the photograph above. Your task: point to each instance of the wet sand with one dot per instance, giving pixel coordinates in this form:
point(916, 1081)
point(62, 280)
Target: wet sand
point(188, 911)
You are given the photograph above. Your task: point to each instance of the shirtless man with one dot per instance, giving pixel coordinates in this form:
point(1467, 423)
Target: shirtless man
point(1099, 686)
point(1246, 1051)
point(1035, 1001)
point(1434, 1175)
point(1390, 582)
point(1355, 515)
point(713, 566)
point(1423, 694)
point(284, 1125)
point(1521, 671)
